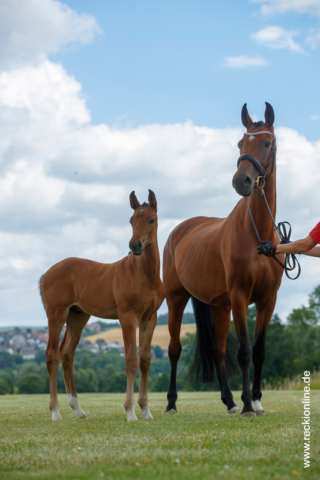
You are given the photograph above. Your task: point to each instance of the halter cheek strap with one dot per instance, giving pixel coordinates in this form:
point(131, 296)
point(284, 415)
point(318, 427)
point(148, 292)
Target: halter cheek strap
point(254, 161)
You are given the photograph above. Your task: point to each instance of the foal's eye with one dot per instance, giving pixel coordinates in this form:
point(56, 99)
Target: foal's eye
point(267, 144)
point(151, 221)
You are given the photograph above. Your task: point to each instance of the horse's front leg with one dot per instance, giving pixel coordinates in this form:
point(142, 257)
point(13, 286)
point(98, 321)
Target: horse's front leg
point(239, 310)
point(129, 322)
point(264, 314)
point(146, 330)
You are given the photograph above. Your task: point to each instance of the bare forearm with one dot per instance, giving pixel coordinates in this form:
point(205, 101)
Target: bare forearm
point(305, 246)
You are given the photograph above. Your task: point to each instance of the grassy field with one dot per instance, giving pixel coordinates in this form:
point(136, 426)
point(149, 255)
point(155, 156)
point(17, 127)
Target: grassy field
point(201, 442)
point(160, 337)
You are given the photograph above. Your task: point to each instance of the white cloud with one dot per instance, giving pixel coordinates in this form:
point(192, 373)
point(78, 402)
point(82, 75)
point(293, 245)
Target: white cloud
point(313, 38)
point(29, 29)
point(242, 61)
point(277, 37)
point(270, 7)
point(314, 117)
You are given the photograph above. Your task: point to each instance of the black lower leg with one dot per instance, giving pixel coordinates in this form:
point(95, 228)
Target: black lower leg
point(258, 356)
point(226, 394)
point(172, 392)
point(244, 359)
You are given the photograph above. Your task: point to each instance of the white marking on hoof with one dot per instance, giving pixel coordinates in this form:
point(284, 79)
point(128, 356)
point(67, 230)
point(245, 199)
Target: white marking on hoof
point(257, 407)
point(172, 411)
point(233, 410)
point(75, 405)
point(131, 416)
point(146, 413)
point(248, 414)
point(56, 417)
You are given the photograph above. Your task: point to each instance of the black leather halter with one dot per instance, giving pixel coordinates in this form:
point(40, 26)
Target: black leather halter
point(291, 261)
point(266, 165)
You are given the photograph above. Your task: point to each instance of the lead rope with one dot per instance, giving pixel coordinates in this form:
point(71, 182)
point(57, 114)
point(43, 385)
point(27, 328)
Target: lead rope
point(291, 261)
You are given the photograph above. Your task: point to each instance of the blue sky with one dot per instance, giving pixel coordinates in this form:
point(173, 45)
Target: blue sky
point(165, 62)
point(101, 98)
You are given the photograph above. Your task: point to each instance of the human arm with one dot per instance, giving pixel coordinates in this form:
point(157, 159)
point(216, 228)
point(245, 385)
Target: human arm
point(306, 246)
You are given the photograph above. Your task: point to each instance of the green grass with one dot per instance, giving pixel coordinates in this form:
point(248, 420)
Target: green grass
point(201, 442)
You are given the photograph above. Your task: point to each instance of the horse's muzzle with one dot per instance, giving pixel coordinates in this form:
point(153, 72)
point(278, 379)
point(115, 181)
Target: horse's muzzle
point(136, 248)
point(243, 185)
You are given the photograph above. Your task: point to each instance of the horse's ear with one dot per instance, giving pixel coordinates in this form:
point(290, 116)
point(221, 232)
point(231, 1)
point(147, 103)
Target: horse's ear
point(269, 115)
point(134, 202)
point(245, 117)
point(152, 199)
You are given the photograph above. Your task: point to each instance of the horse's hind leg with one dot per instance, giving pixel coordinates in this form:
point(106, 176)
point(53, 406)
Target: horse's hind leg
point(75, 325)
point(146, 330)
point(129, 323)
point(258, 352)
point(56, 319)
point(221, 329)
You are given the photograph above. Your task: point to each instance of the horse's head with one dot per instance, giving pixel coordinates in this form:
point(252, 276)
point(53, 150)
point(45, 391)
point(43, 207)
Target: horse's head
point(144, 222)
point(257, 151)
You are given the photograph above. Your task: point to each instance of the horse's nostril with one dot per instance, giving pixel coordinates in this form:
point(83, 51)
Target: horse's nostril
point(247, 182)
point(138, 244)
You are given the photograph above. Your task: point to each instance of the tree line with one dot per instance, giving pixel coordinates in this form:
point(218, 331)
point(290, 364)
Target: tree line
point(291, 348)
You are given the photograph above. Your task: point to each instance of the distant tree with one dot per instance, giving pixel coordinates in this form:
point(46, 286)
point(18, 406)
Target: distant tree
point(6, 385)
point(31, 383)
point(161, 383)
point(40, 357)
point(86, 380)
point(117, 383)
point(158, 351)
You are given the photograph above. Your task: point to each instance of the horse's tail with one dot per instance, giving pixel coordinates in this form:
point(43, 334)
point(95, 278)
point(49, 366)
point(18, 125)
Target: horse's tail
point(41, 292)
point(203, 364)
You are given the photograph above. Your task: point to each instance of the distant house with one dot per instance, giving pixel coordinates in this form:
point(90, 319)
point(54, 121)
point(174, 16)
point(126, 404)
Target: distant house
point(18, 340)
point(94, 327)
point(28, 353)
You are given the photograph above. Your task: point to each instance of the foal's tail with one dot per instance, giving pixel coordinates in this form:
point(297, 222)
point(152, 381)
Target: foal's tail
point(203, 364)
point(41, 292)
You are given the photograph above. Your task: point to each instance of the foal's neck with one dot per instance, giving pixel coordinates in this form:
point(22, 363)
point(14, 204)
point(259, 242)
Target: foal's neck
point(149, 260)
point(259, 209)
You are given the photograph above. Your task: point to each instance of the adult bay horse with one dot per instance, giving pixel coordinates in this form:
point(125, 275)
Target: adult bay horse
point(215, 261)
point(130, 290)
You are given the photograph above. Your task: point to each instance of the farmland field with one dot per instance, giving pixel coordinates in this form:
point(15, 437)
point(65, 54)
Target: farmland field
point(201, 442)
point(160, 337)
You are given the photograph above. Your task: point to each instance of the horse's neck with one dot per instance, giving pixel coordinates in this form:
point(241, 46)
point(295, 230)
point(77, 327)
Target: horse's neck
point(259, 209)
point(149, 261)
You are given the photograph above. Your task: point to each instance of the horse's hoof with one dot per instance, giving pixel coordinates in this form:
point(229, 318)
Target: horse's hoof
point(82, 416)
point(260, 413)
point(257, 407)
point(56, 417)
point(248, 414)
point(172, 411)
point(233, 410)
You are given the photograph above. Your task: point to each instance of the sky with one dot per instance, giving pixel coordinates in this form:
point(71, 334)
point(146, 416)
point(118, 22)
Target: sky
point(101, 98)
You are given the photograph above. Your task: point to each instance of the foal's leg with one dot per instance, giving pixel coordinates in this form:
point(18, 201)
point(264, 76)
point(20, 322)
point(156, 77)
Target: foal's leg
point(75, 325)
point(129, 323)
point(177, 302)
point(239, 309)
point(146, 330)
point(221, 329)
point(56, 319)
point(263, 318)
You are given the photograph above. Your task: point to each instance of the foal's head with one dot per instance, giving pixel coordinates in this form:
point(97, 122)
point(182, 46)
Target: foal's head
point(255, 145)
point(144, 222)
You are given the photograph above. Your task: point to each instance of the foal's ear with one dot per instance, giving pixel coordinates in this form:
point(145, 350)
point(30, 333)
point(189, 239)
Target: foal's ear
point(245, 117)
point(152, 199)
point(134, 202)
point(269, 115)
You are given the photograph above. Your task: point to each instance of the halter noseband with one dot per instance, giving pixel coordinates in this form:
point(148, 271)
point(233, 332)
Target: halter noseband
point(256, 163)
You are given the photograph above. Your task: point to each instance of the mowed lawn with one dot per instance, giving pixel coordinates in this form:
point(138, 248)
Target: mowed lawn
point(201, 442)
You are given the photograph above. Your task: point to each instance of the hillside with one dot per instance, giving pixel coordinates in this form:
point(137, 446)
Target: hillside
point(161, 335)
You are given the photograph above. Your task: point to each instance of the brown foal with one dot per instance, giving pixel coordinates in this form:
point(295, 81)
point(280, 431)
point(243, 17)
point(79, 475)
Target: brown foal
point(129, 290)
point(215, 261)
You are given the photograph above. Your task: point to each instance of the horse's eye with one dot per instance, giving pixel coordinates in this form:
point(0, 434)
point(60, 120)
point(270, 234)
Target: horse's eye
point(267, 144)
point(151, 221)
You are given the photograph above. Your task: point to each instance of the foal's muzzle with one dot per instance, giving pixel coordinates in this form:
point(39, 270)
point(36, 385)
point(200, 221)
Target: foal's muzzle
point(136, 247)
